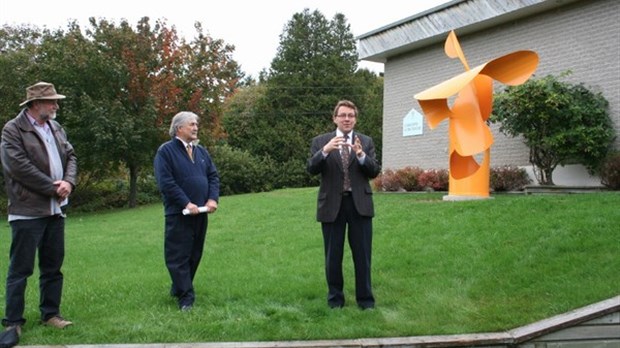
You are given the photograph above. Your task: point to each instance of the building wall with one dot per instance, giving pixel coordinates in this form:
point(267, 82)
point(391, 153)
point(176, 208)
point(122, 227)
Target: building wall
point(582, 36)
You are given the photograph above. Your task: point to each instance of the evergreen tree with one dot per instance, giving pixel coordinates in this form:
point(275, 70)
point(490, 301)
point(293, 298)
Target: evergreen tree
point(313, 69)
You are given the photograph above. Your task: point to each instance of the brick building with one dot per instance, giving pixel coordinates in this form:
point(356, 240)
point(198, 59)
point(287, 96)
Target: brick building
point(582, 36)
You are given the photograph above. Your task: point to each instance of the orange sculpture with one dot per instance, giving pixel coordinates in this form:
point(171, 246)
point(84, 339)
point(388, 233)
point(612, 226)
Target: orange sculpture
point(469, 133)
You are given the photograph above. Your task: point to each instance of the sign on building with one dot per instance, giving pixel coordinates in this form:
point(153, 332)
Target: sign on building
point(412, 123)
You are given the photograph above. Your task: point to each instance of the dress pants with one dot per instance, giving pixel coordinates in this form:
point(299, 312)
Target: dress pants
point(360, 242)
point(183, 247)
point(47, 236)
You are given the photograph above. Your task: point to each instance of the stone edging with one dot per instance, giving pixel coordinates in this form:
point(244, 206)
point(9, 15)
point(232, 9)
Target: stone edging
point(508, 338)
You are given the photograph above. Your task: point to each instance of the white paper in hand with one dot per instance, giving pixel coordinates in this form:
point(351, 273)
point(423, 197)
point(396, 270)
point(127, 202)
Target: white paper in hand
point(200, 210)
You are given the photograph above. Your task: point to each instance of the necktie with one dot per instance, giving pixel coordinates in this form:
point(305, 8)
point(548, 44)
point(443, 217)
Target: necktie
point(344, 154)
point(189, 151)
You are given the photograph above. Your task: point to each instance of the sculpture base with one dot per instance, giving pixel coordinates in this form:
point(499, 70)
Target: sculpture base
point(464, 198)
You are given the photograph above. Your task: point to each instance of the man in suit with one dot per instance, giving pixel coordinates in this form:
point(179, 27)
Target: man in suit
point(190, 187)
point(346, 162)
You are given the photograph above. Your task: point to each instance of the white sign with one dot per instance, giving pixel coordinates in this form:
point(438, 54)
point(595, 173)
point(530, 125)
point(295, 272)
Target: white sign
point(413, 123)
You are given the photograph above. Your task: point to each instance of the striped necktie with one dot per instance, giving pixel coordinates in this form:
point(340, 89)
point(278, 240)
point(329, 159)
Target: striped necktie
point(189, 151)
point(344, 154)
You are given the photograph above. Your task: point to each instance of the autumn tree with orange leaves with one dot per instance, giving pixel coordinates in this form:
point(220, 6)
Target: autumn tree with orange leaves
point(123, 86)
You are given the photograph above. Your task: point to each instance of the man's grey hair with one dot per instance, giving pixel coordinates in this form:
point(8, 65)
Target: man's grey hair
point(180, 120)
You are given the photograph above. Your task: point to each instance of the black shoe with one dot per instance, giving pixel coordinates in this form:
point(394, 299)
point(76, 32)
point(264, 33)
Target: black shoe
point(186, 308)
point(366, 306)
point(335, 305)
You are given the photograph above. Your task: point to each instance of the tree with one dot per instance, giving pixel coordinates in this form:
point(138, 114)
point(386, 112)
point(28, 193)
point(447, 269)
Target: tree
point(124, 117)
point(369, 100)
point(164, 75)
point(315, 66)
point(123, 86)
point(561, 123)
point(18, 47)
point(208, 76)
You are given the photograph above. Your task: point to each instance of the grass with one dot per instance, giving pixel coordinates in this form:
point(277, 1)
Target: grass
point(438, 268)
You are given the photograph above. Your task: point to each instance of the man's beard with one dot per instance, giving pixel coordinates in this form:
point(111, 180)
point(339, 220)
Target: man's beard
point(45, 117)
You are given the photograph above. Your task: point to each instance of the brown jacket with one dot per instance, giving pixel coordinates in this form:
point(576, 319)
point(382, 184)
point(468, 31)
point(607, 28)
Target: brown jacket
point(27, 169)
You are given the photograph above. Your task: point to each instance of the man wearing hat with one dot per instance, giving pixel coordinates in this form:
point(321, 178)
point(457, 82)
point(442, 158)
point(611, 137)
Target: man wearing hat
point(40, 169)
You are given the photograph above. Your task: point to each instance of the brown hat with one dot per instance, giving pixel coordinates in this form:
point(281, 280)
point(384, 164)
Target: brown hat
point(41, 90)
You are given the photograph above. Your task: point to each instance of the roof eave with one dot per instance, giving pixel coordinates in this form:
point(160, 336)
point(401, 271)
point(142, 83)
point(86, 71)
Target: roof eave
point(432, 26)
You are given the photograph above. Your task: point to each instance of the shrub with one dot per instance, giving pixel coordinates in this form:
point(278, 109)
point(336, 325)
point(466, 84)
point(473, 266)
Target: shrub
point(408, 178)
point(411, 179)
point(504, 178)
point(508, 178)
point(112, 193)
point(434, 179)
point(241, 172)
point(292, 173)
point(560, 122)
point(377, 183)
point(387, 181)
point(610, 171)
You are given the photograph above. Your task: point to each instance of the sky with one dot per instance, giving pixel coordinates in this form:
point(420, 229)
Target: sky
point(252, 26)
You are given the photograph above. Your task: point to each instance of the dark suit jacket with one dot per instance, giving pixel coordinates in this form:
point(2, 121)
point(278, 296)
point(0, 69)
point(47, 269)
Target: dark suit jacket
point(330, 168)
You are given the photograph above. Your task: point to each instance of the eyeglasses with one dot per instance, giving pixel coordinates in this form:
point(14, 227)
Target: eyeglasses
point(345, 115)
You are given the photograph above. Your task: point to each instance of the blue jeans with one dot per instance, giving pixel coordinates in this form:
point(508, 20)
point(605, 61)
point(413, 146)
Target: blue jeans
point(45, 235)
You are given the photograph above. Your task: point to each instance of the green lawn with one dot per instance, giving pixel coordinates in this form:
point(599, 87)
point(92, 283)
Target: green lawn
point(438, 268)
